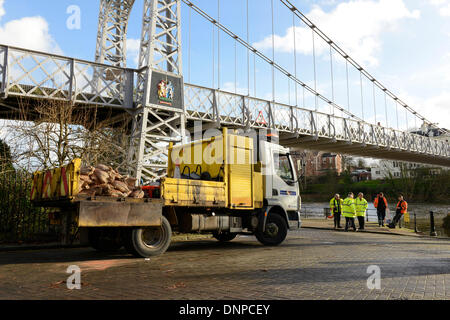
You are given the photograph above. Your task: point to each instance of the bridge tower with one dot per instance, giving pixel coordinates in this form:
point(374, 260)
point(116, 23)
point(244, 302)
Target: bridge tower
point(112, 32)
point(159, 113)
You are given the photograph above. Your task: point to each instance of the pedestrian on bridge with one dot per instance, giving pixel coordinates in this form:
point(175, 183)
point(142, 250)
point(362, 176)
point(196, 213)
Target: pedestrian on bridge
point(349, 211)
point(381, 204)
point(402, 208)
point(336, 210)
point(361, 208)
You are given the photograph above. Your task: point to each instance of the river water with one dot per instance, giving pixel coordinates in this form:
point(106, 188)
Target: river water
point(315, 210)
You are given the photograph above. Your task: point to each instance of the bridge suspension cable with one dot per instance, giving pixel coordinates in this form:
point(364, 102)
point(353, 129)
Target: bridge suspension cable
point(248, 52)
point(349, 59)
point(267, 59)
point(273, 52)
point(295, 59)
point(218, 45)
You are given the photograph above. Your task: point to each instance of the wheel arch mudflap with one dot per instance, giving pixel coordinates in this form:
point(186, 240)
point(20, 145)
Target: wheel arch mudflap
point(271, 209)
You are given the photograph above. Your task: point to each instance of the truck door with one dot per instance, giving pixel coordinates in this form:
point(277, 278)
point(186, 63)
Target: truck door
point(285, 181)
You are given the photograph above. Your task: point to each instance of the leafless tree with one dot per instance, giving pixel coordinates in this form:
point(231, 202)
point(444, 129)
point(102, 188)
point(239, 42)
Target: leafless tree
point(52, 133)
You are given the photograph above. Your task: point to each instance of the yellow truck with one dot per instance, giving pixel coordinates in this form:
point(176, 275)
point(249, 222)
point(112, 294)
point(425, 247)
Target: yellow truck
point(226, 185)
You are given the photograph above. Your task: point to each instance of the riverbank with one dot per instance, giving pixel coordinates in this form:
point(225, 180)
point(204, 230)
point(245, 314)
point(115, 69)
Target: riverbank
point(419, 186)
point(419, 211)
point(321, 197)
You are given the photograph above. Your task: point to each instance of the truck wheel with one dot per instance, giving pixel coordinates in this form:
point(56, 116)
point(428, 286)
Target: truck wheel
point(149, 242)
point(275, 233)
point(105, 239)
point(224, 236)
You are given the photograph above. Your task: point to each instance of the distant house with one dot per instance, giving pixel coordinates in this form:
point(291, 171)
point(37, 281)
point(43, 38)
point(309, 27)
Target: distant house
point(388, 168)
point(428, 131)
point(385, 169)
point(361, 175)
point(316, 164)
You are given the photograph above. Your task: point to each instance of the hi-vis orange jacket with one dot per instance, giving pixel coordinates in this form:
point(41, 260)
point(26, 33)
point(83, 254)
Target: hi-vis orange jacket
point(403, 206)
point(375, 203)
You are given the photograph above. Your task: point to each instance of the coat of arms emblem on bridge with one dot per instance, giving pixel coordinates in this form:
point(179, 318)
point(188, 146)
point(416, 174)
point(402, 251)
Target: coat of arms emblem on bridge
point(165, 92)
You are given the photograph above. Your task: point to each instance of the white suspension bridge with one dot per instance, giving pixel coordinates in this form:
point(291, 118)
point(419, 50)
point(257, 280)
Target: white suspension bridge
point(162, 106)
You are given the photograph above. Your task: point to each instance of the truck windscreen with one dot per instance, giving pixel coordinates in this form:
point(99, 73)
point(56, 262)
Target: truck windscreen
point(284, 168)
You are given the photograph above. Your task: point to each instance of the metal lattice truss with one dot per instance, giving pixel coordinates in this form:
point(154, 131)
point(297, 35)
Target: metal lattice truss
point(112, 38)
point(112, 32)
point(31, 74)
point(154, 126)
point(305, 128)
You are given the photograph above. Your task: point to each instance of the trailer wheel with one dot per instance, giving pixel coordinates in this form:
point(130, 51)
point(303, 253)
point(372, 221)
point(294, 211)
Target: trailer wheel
point(275, 232)
point(105, 239)
point(224, 236)
point(149, 242)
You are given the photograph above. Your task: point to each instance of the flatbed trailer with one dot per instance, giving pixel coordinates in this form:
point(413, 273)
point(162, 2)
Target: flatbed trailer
point(108, 212)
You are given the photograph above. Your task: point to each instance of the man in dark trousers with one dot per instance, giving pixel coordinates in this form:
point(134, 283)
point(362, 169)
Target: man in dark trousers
point(401, 209)
point(381, 204)
point(336, 210)
point(349, 212)
point(361, 208)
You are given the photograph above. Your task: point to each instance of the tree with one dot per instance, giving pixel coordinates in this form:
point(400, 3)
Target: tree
point(5, 157)
point(348, 162)
point(362, 163)
point(52, 133)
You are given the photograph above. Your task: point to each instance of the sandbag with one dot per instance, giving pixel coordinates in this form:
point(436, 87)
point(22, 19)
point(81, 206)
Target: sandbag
point(121, 186)
point(137, 194)
point(103, 180)
point(101, 175)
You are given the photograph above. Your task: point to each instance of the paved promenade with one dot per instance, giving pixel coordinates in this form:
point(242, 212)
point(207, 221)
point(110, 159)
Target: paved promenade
point(311, 264)
point(370, 227)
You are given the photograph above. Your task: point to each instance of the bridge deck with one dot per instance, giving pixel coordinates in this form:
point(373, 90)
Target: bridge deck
point(27, 77)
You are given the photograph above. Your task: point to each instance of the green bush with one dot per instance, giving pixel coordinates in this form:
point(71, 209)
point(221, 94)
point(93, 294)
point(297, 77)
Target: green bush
point(421, 187)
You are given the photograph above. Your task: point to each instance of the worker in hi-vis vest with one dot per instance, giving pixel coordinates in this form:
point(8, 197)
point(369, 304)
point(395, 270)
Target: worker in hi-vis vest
point(349, 212)
point(402, 208)
point(361, 209)
point(336, 210)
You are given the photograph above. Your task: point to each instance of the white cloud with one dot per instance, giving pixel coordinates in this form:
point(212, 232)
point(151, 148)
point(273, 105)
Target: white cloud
point(356, 26)
point(434, 108)
point(232, 87)
point(2, 9)
point(443, 7)
point(438, 2)
point(133, 46)
point(28, 32)
point(445, 11)
point(437, 109)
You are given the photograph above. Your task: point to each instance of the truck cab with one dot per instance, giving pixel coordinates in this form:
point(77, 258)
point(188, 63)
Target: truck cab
point(254, 188)
point(281, 187)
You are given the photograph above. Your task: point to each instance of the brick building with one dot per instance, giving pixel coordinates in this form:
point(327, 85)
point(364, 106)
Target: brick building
point(315, 164)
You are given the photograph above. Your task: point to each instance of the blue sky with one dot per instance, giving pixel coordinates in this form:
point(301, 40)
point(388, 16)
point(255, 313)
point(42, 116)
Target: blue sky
point(403, 43)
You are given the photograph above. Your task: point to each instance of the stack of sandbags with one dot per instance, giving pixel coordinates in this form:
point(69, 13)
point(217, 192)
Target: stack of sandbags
point(105, 181)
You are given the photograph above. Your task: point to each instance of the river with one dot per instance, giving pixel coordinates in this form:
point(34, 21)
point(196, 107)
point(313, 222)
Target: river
point(315, 210)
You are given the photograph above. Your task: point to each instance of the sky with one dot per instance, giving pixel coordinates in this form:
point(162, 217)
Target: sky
point(405, 44)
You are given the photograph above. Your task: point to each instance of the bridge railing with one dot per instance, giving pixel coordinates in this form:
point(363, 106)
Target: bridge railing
point(227, 108)
point(34, 74)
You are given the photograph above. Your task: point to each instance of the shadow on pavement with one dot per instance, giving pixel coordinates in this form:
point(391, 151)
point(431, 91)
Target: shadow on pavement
point(244, 243)
point(331, 274)
point(89, 254)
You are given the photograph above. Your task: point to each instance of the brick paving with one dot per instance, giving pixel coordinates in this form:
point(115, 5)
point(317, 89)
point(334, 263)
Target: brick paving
point(370, 227)
point(311, 264)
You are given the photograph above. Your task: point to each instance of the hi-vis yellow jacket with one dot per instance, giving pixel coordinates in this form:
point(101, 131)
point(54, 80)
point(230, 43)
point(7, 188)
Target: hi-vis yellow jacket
point(361, 207)
point(336, 204)
point(349, 208)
